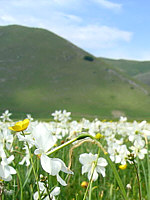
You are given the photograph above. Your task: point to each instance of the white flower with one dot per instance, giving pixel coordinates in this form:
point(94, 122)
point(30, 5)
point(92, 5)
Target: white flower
point(5, 116)
point(6, 138)
point(128, 186)
point(44, 141)
point(138, 149)
point(29, 117)
point(57, 115)
point(5, 169)
point(88, 162)
point(26, 158)
point(43, 190)
point(65, 116)
point(118, 153)
point(123, 119)
point(53, 166)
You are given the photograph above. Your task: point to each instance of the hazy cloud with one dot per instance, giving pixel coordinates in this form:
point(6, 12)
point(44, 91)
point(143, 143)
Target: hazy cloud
point(94, 36)
point(109, 4)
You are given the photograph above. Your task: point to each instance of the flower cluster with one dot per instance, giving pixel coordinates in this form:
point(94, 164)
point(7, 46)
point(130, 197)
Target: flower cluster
point(120, 139)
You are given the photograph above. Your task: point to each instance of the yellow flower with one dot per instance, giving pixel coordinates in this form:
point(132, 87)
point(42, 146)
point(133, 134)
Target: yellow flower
point(20, 126)
point(123, 166)
point(98, 136)
point(84, 184)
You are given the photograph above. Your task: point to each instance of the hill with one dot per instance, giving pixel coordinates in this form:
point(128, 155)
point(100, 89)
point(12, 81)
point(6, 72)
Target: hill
point(139, 70)
point(41, 72)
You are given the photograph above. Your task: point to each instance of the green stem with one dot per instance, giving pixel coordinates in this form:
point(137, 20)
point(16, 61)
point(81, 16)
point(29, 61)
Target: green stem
point(138, 181)
point(82, 136)
point(61, 146)
point(117, 177)
point(90, 191)
point(20, 183)
point(138, 170)
point(34, 171)
point(148, 165)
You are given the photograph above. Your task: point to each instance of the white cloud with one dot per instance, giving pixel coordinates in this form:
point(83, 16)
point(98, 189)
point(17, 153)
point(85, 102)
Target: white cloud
point(93, 36)
point(109, 5)
point(7, 18)
point(69, 17)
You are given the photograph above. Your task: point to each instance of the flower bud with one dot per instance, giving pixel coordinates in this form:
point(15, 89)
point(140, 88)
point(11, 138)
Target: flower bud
point(122, 167)
point(84, 184)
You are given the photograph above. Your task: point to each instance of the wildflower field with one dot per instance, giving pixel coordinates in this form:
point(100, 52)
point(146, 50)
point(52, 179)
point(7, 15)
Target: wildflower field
point(66, 159)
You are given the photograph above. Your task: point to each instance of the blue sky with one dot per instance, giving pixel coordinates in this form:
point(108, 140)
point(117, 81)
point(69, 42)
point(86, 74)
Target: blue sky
point(105, 28)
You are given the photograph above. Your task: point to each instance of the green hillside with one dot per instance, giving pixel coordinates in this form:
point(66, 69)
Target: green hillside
point(41, 72)
point(140, 70)
point(143, 77)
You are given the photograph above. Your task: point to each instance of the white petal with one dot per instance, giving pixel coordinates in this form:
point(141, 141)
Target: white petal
point(86, 158)
point(101, 170)
point(143, 151)
point(55, 191)
point(6, 172)
point(38, 151)
point(61, 181)
point(9, 178)
point(12, 170)
point(36, 196)
point(2, 172)
point(95, 175)
point(118, 159)
point(63, 166)
point(43, 138)
point(102, 162)
point(10, 159)
point(86, 168)
point(49, 165)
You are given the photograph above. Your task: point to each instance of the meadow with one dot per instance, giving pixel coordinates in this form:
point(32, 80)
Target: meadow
point(74, 160)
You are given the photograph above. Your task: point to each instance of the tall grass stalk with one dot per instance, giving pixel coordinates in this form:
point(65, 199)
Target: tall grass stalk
point(34, 171)
point(138, 180)
point(147, 177)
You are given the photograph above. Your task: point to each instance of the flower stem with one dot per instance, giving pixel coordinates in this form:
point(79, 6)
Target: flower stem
point(90, 191)
point(35, 175)
point(61, 146)
point(138, 180)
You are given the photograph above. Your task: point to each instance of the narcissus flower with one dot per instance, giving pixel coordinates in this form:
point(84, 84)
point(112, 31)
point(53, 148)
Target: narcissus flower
point(20, 126)
point(88, 162)
point(43, 142)
point(5, 170)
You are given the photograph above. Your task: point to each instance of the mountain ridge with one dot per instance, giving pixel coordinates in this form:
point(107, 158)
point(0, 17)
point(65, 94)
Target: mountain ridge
point(41, 72)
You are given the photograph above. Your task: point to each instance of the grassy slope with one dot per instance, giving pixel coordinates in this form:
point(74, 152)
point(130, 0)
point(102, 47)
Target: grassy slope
point(41, 72)
point(140, 70)
point(143, 77)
